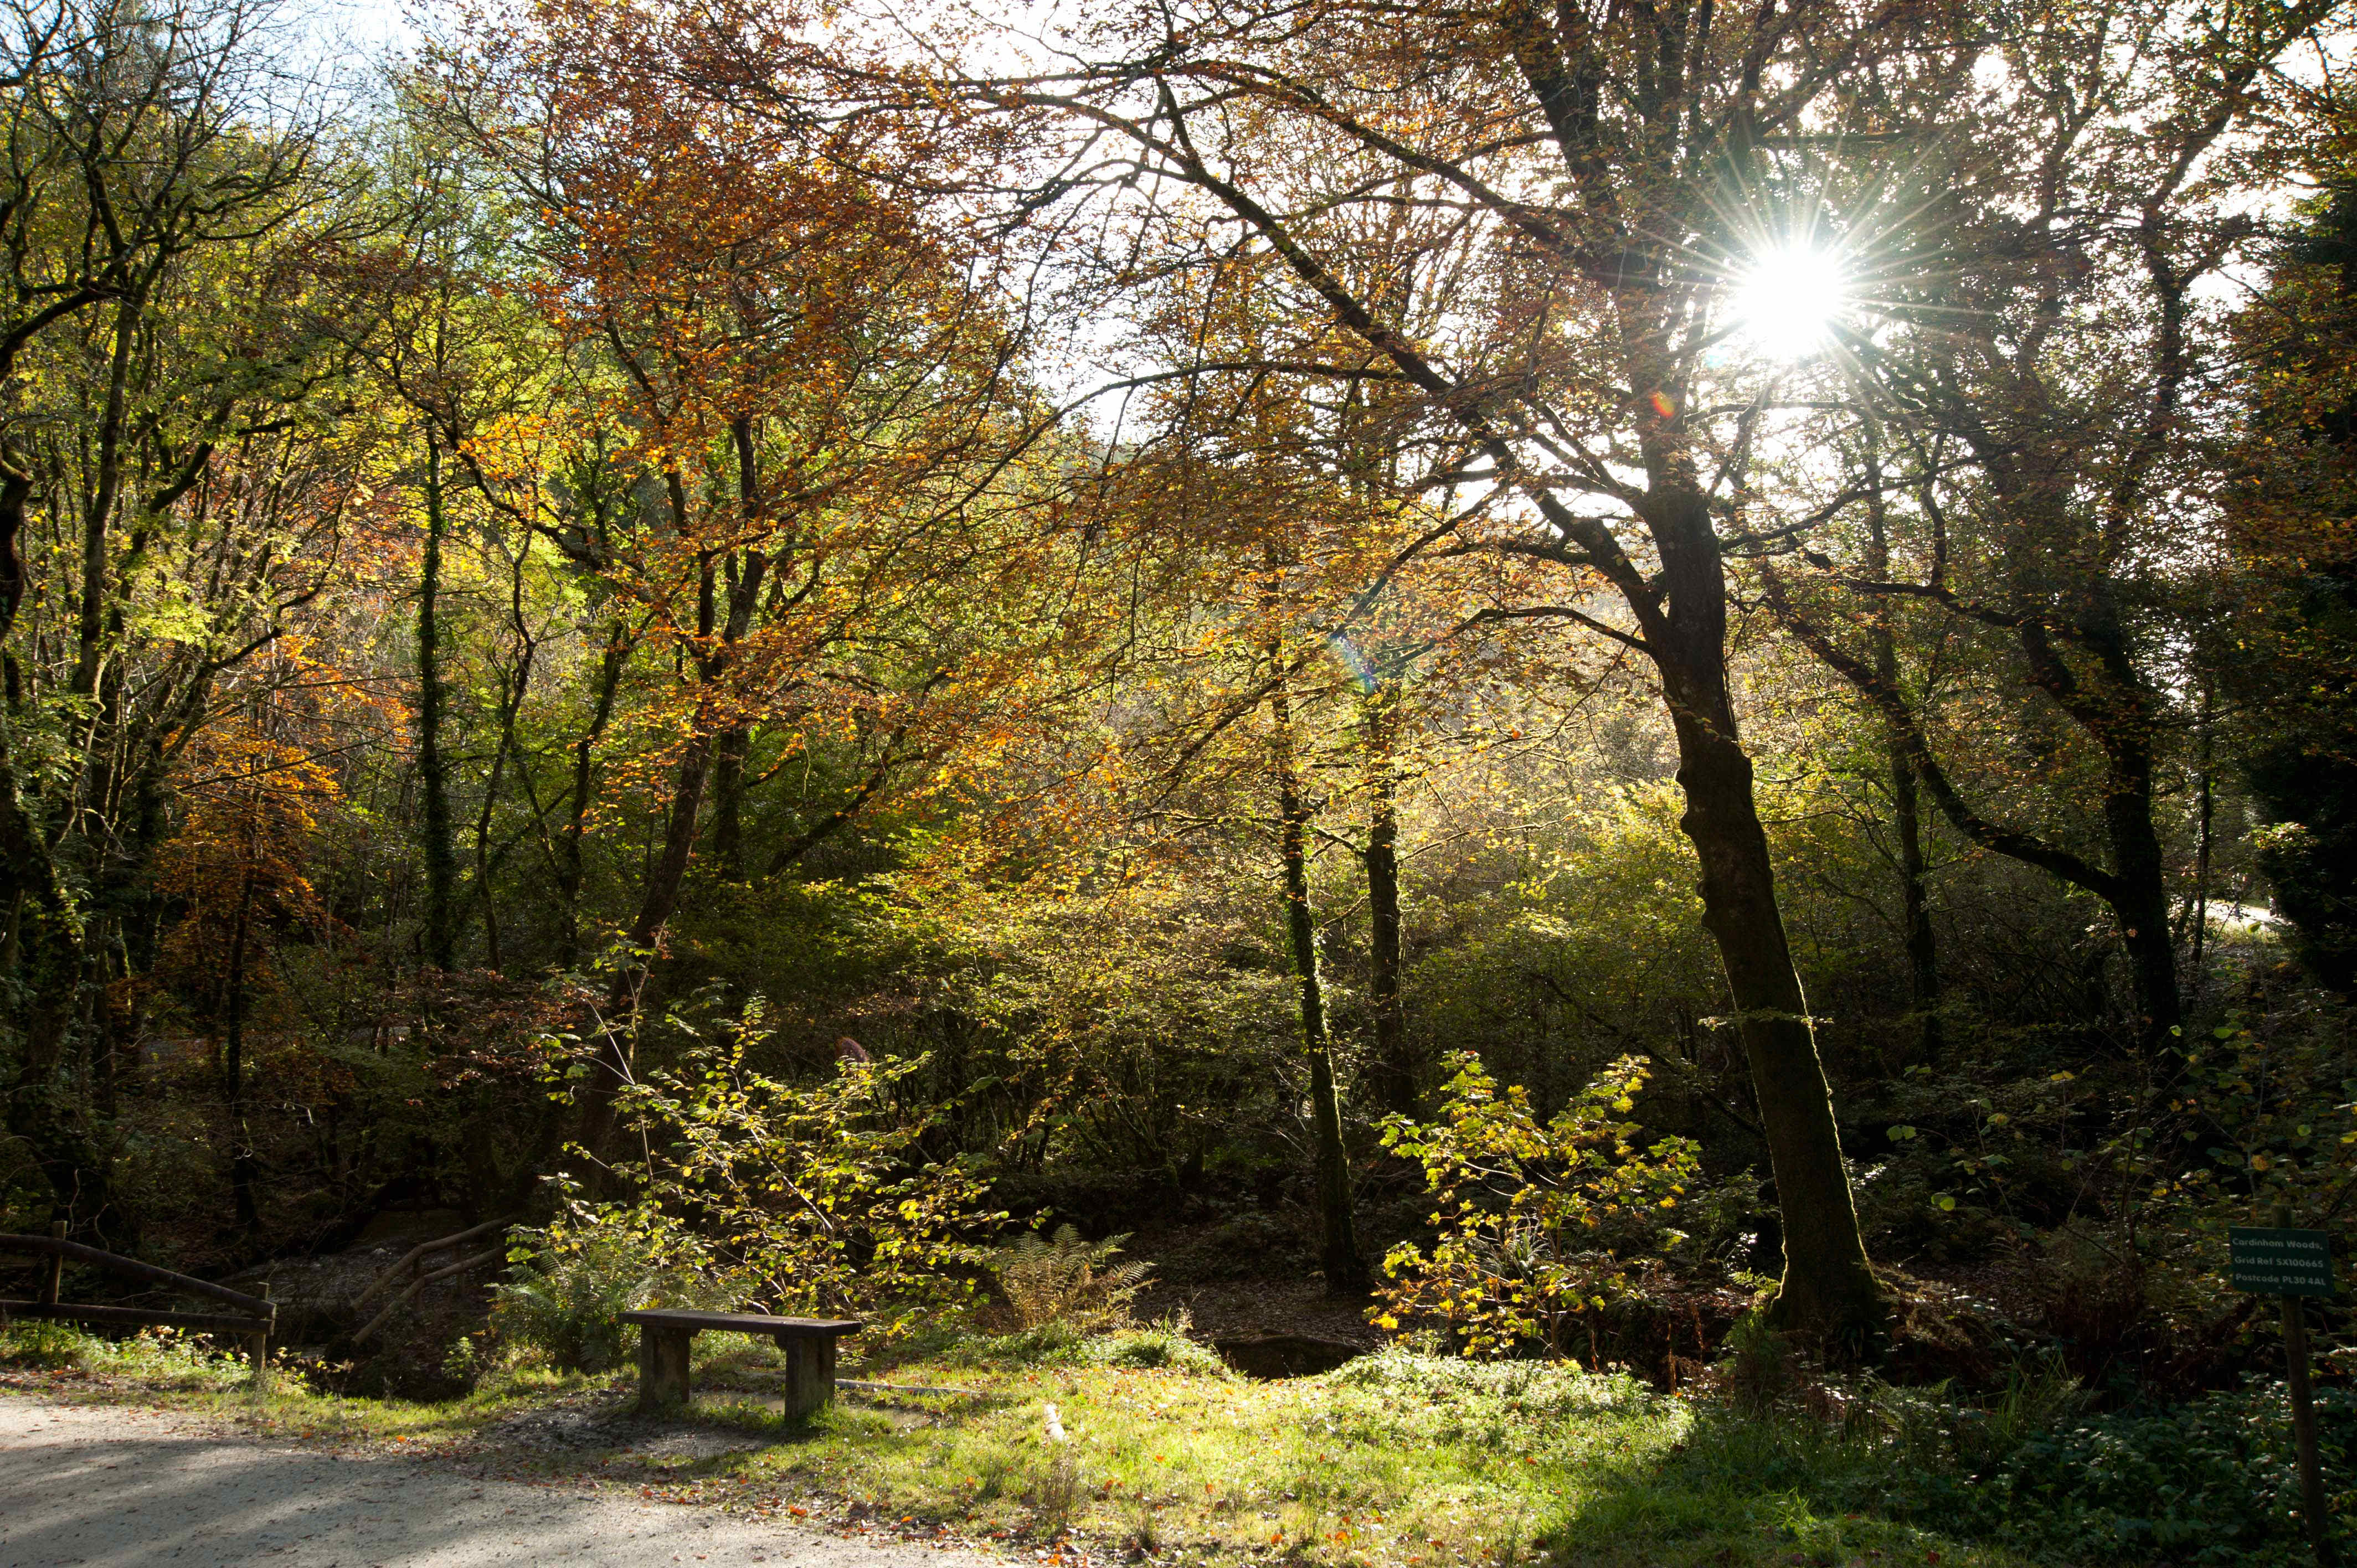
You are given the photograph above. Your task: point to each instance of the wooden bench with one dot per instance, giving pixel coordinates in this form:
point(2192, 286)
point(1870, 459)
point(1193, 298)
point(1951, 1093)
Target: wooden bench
point(664, 1335)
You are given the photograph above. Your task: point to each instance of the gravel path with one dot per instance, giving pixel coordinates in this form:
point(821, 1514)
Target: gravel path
point(111, 1487)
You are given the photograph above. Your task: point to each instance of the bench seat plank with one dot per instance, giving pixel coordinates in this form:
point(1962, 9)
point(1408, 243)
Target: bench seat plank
point(740, 1321)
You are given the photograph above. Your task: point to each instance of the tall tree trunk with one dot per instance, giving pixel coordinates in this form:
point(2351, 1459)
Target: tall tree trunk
point(659, 896)
point(2115, 706)
point(106, 1038)
point(570, 869)
point(1827, 1287)
point(2142, 904)
point(718, 633)
point(440, 936)
point(1395, 1066)
point(1346, 1271)
point(493, 959)
point(16, 490)
point(728, 751)
point(2205, 809)
point(731, 746)
point(56, 947)
point(616, 1063)
point(240, 1141)
point(1915, 909)
point(511, 705)
point(1905, 804)
point(55, 971)
point(90, 630)
point(51, 957)
point(1828, 1290)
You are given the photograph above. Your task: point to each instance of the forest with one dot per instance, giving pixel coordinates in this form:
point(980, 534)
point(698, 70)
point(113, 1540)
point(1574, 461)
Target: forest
point(1630, 690)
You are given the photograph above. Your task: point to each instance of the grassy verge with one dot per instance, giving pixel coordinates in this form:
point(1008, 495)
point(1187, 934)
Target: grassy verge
point(162, 1369)
point(1395, 1461)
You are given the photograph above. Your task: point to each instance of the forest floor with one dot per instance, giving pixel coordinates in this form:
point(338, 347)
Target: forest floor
point(1217, 1309)
point(1393, 1465)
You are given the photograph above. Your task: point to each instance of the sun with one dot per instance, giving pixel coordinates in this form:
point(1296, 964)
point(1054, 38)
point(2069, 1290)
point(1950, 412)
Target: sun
point(1786, 301)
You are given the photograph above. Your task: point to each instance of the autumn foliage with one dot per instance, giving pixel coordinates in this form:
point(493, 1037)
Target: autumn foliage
point(1550, 664)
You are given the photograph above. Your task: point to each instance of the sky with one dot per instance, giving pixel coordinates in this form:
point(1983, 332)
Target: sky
point(359, 30)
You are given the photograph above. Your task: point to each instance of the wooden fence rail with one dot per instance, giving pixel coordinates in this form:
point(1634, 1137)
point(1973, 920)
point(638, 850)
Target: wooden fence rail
point(255, 1326)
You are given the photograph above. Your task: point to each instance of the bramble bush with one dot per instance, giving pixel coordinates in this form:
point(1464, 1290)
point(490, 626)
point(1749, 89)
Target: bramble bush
point(2210, 1481)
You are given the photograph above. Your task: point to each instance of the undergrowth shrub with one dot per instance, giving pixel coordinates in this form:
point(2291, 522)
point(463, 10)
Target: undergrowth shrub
point(1757, 1366)
point(45, 1346)
point(2213, 1481)
point(2033, 1470)
point(1536, 1216)
point(1164, 1345)
point(1538, 1392)
point(2130, 1283)
point(164, 1356)
point(799, 1198)
point(1399, 1398)
point(1047, 1344)
point(568, 1286)
point(1064, 1279)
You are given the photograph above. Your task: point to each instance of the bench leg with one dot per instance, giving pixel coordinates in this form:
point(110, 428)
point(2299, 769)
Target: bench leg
point(662, 1367)
point(810, 1372)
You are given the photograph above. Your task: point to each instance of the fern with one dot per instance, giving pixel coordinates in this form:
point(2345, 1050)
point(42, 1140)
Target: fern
point(566, 1297)
point(1065, 1280)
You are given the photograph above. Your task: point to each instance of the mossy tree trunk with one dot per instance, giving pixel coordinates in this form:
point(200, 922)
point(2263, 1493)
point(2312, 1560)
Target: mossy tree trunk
point(1346, 1271)
point(439, 939)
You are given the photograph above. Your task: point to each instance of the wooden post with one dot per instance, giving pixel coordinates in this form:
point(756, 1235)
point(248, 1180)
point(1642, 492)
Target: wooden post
point(662, 1367)
point(54, 1280)
point(810, 1372)
point(259, 1345)
point(2303, 1431)
point(2303, 1419)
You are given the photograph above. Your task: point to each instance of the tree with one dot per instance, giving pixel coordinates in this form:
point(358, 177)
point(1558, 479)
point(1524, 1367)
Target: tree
point(467, 363)
point(237, 869)
point(2285, 650)
point(165, 207)
point(1603, 170)
point(814, 400)
point(2035, 274)
point(1345, 1266)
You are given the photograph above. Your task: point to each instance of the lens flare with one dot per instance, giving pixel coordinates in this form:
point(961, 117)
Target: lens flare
point(1786, 302)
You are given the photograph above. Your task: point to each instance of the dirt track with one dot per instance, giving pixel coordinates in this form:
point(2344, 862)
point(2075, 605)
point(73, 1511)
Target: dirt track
point(113, 1487)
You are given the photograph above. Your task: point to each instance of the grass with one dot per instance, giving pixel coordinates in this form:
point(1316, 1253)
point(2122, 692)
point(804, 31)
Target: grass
point(164, 1369)
point(1394, 1461)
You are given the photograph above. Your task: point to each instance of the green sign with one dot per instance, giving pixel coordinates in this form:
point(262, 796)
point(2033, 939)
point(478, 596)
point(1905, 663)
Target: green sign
point(2281, 1263)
